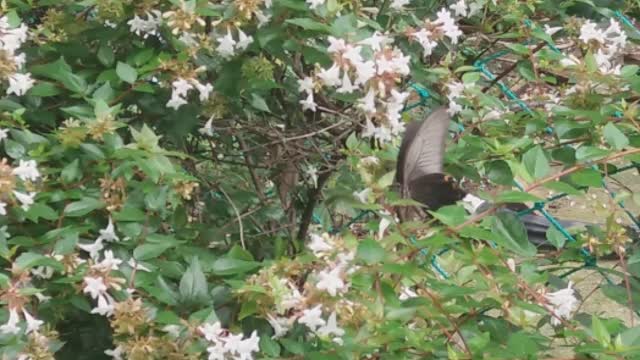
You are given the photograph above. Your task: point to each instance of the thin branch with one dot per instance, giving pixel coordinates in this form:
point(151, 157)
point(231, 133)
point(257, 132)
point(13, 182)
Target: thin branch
point(233, 205)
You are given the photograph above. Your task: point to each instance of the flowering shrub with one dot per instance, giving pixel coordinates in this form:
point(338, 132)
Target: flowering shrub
point(195, 179)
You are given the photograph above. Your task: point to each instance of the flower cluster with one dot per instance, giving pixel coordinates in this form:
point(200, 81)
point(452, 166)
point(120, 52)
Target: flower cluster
point(563, 303)
point(606, 45)
point(146, 27)
point(228, 46)
point(11, 62)
point(181, 88)
point(227, 345)
point(26, 171)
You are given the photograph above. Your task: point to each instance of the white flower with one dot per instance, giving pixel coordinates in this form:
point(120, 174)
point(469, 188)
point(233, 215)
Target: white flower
point(312, 173)
point(19, 84)
point(94, 286)
point(109, 262)
point(291, 300)
point(4, 134)
point(181, 87)
point(589, 32)
point(204, 90)
point(511, 264)
point(217, 352)
point(243, 40)
point(331, 281)
point(148, 27)
point(352, 53)
point(173, 330)
point(27, 170)
point(551, 30)
point(280, 326)
point(211, 332)
point(368, 103)
point(306, 85)
point(207, 129)
point(459, 8)
point(375, 41)
point(312, 318)
point(331, 327)
point(116, 353)
point(136, 265)
point(314, 3)
point(347, 86)
point(423, 36)
point(398, 4)
point(109, 233)
point(336, 45)
point(318, 245)
point(247, 346)
point(448, 25)
point(226, 45)
point(93, 249)
point(105, 306)
point(3, 208)
point(33, 324)
point(25, 199)
point(309, 103)
point(11, 326)
point(176, 102)
point(407, 293)
point(262, 18)
point(455, 89)
point(454, 108)
point(563, 303)
point(382, 227)
point(363, 195)
point(364, 71)
point(471, 203)
point(331, 77)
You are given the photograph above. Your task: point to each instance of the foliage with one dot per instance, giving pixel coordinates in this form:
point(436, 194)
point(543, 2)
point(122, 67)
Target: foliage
point(195, 179)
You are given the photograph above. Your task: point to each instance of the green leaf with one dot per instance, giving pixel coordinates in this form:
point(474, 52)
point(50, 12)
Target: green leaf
point(555, 237)
point(512, 234)
point(499, 172)
point(516, 197)
point(45, 89)
point(309, 24)
point(60, 71)
point(536, 162)
point(193, 284)
point(615, 137)
point(150, 251)
point(259, 103)
point(14, 149)
point(39, 210)
point(29, 260)
point(105, 55)
point(518, 48)
point(370, 251)
point(71, 172)
point(269, 346)
point(585, 153)
point(229, 266)
point(129, 213)
point(600, 332)
point(83, 207)
point(587, 177)
point(451, 215)
point(292, 346)
point(126, 72)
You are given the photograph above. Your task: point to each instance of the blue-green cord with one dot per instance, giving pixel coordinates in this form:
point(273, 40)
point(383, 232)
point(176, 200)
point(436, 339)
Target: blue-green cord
point(625, 20)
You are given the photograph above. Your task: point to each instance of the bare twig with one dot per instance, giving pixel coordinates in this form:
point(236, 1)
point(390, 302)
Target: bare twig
point(233, 205)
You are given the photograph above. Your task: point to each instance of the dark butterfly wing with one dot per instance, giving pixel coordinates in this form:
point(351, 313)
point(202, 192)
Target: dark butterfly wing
point(420, 161)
